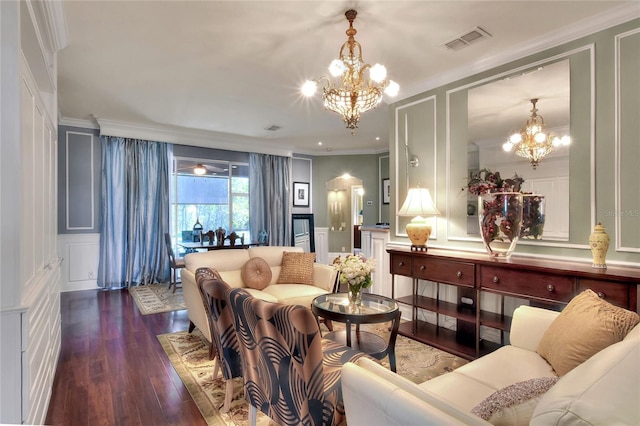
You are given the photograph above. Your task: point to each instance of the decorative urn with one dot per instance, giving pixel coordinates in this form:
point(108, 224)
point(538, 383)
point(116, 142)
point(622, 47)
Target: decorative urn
point(599, 243)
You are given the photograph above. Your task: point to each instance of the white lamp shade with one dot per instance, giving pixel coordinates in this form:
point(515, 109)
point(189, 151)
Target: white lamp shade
point(418, 203)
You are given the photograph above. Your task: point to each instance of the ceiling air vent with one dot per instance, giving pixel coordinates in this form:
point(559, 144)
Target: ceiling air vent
point(466, 39)
point(273, 128)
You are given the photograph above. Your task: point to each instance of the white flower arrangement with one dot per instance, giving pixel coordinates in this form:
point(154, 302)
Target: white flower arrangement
point(355, 270)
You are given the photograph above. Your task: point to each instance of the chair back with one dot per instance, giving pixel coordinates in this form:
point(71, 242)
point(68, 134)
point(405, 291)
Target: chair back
point(167, 242)
point(282, 357)
point(214, 292)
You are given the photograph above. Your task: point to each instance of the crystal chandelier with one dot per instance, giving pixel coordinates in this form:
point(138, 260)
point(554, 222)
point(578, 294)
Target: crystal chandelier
point(356, 94)
point(532, 142)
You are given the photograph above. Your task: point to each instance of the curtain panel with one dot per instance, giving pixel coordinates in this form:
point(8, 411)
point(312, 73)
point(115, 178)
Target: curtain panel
point(135, 212)
point(269, 202)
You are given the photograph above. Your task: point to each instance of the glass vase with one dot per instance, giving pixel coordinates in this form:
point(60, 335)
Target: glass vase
point(355, 295)
point(532, 216)
point(500, 217)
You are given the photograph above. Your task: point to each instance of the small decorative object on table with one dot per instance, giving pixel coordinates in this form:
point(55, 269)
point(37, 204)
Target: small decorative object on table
point(599, 243)
point(197, 231)
point(220, 236)
point(355, 271)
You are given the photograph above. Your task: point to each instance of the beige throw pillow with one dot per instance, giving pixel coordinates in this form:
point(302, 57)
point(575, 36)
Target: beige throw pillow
point(587, 325)
point(297, 268)
point(256, 273)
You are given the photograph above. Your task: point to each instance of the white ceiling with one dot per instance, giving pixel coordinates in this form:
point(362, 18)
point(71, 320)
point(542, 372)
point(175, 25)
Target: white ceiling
point(234, 68)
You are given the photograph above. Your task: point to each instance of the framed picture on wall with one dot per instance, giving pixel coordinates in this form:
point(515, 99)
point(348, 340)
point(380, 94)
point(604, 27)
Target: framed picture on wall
point(386, 191)
point(301, 194)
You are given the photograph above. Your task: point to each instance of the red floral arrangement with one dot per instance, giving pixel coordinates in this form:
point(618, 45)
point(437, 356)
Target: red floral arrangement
point(486, 181)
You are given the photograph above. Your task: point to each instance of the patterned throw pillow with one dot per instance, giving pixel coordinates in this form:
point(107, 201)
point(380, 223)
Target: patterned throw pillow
point(514, 404)
point(297, 268)
point(585, 326)
point(256, 273)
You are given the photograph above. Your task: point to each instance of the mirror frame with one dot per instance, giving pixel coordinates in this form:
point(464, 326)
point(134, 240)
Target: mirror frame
point(309, 218)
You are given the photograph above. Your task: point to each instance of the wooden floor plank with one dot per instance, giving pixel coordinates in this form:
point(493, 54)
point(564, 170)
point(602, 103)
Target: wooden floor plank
point(112, 369)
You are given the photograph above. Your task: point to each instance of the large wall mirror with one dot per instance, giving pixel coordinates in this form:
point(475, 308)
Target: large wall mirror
point(302, 234)
point(483, 115)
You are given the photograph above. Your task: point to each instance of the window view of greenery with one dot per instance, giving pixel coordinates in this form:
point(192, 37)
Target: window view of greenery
point(218, 198)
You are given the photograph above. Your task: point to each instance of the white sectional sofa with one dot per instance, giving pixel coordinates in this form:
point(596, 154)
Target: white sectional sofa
point(229, 264)
point(603, 390)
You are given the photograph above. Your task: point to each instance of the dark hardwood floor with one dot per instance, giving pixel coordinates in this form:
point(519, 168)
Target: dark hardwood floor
point(112, 369)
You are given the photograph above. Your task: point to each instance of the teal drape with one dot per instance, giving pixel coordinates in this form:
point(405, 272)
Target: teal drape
point(269, 202)
point(135, 212)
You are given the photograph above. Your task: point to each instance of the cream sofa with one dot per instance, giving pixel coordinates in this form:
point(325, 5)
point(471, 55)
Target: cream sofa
point(229, 264)
point(603, 390)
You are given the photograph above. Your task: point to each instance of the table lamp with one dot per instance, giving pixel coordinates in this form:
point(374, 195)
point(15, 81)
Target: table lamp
point(418, 203)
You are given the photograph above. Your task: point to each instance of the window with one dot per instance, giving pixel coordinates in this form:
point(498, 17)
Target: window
point(218, 197)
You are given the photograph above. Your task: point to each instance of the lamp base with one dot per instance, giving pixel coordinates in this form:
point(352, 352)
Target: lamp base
point(418, 232)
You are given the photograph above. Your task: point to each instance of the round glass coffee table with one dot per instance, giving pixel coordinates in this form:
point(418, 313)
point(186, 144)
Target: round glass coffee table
point(374, 309)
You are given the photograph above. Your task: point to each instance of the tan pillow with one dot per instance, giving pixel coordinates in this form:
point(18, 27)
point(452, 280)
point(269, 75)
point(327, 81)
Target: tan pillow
point(256, 273)
point(586, 325)
point(514, 404)
point(297, 268)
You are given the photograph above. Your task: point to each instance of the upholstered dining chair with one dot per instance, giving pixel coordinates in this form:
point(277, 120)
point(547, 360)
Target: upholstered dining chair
point(290, 372)
point(221, 324)
point(174, 263)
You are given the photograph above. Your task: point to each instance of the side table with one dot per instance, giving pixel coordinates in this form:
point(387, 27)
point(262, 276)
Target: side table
point(374, 309)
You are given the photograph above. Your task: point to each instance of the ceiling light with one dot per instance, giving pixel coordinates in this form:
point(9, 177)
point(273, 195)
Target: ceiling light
point(532, 142)
point(355, 94)
point(199, 170)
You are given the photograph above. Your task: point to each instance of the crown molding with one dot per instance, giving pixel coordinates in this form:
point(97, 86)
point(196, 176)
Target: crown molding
point(52, 23)
point(371, 151)
point(586, 27)
point(77, 122)
point(191, 137)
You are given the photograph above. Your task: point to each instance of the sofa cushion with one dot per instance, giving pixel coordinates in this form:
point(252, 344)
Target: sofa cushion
point(256, 273)
point(586, 325)
point(468, 385)
point(294, 294)
point(297, 268)
point(260, 294)
point(272, 254)
point(604, 390)
point(514, 405)
point(220, 260)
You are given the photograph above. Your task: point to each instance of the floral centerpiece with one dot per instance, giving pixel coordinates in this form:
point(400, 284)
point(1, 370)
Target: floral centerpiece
point(485, 181)
point(506, 213)
point(355, 270)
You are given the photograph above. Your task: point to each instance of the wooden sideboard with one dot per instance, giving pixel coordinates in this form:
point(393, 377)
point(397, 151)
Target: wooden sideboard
point(546, 283)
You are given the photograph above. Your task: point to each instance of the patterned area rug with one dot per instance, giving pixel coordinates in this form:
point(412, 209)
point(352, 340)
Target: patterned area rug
point(156, 298)
point(189, 356)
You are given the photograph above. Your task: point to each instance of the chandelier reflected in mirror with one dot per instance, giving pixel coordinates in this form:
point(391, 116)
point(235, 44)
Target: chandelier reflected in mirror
point(532, 142)
point(353, 94)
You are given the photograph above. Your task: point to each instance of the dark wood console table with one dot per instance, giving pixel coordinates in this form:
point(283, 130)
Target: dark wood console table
point(546, 283)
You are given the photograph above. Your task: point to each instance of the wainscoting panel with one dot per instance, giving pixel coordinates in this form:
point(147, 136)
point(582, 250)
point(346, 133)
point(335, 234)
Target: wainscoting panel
point(627, 149)
point(80, 265)
point(79, 175)
point(321, 236)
